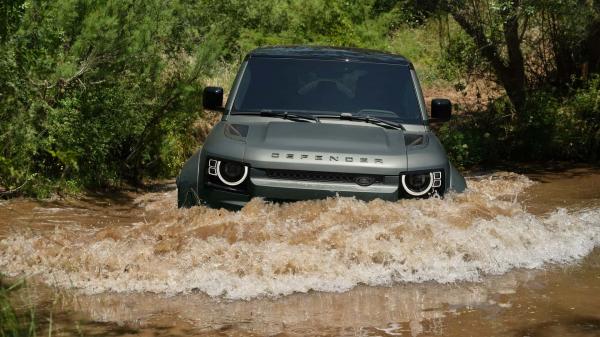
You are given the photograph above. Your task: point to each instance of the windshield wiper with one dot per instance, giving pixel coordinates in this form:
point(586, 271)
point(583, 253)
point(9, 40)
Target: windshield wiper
point(282, 114)
point(367, 119)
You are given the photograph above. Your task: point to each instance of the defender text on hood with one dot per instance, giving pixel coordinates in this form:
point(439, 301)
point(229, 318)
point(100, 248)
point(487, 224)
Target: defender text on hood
point(313, 122)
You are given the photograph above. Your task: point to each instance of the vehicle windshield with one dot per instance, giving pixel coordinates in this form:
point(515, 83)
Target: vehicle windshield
point(319, 87)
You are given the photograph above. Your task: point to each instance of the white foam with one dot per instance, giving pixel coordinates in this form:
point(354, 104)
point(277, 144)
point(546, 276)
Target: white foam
point(329, 245)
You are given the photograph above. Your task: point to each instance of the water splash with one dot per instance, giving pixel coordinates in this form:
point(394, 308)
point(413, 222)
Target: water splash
point(326, 245)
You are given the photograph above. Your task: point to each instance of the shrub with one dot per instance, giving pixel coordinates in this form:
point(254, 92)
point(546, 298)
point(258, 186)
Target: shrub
point(99, 92)
point(553, 127)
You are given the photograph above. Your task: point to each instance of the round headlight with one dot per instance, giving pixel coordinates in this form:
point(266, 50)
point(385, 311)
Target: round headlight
point(231, 173)
point(417, 184)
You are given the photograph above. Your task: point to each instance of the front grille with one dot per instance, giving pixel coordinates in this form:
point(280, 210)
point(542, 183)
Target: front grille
point(359, 179)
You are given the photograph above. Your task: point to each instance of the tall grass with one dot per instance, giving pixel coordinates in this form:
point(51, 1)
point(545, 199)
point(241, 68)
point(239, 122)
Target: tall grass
point(13, 322)
point(223, 75)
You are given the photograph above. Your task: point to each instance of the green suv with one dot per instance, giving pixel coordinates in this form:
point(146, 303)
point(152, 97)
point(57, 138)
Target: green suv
point(314, 122)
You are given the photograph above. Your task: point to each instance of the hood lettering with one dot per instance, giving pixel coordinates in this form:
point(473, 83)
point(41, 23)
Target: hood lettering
point(331, 158)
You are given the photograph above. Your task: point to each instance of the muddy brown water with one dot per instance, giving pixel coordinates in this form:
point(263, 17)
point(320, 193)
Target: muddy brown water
point(517, 255)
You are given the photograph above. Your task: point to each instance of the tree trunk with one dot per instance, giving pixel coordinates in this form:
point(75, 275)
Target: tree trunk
point(513, 76)
point(591, 48)
point(511, 71)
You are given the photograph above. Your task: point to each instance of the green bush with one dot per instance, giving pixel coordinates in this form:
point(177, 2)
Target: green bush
point(459, 57)
point(98, 92)
point(477, 138)
point(336, 22)
point(553, 127)
point(578, 123)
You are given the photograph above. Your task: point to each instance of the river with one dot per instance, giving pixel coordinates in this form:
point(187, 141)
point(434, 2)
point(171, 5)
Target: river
point(516, 255)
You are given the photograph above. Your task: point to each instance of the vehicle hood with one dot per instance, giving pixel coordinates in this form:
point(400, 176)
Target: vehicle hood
point(327, 147)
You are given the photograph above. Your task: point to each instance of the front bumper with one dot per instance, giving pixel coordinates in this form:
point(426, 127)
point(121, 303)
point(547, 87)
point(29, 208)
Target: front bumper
point(281, 189)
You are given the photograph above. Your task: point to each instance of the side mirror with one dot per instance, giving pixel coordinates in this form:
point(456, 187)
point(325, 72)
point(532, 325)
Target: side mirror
point(441, 109)
point(212, 98)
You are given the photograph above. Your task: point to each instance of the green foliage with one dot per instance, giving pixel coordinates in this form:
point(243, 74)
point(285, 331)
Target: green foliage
point(336, 22)
point(548, 41)
point(422, 46)
point(554, 127)
point(561, 127)
point(374, 24)
point(97, 91)
point(460, 58)
point(476, 139)
point(542, 53)
point(11, 12)
point(12, 323)
point(577, 124)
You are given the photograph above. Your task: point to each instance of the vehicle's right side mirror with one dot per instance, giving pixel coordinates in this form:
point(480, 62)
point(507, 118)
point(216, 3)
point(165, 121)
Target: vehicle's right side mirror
point(212, 98)
point(441, 109)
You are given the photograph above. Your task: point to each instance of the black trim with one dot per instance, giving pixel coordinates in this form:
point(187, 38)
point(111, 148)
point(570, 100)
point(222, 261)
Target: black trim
point(329, 53)
point(227, 188)
point(322, 176)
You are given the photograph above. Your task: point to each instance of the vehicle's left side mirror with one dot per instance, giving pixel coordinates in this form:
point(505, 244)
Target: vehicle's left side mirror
point(441, 109)
point(212, 98)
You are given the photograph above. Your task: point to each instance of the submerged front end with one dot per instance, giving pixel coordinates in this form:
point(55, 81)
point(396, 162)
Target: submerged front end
point(316, 122)
point(287, 161)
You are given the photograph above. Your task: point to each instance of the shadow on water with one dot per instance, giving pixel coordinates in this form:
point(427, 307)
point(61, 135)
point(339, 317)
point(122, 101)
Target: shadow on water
point(98, 208)
point(568, 325)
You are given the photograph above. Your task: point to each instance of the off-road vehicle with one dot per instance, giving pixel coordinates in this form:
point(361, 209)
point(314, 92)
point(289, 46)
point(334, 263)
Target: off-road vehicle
point(314, 122)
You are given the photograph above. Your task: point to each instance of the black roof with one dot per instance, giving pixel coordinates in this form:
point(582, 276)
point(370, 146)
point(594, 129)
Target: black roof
point(329, 53)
